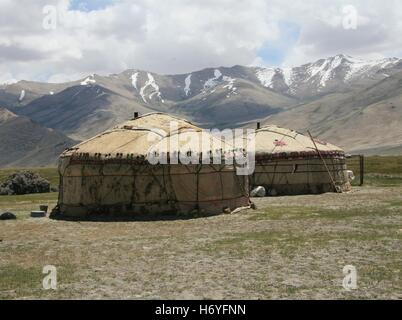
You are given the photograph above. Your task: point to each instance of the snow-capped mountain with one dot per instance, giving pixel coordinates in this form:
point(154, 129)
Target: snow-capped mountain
point(213, 97)
point(367, 120)
point(334, 74)
point(326, 75)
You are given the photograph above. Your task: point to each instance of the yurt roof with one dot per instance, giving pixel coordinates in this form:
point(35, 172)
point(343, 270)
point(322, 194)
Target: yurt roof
point(157, 120)
point(145, 134)
point(272, 139)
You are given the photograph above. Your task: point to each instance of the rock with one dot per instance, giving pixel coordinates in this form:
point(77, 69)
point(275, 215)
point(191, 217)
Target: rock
point(350, 175)
point(8, 216)
point(38, 214)
point(227, 210)
point(26, 182)
point(258, 192)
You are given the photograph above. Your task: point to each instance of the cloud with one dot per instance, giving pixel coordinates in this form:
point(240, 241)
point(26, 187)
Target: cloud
point(179, 36)
point(323, 33)
point(16, 53)
point(274, 52)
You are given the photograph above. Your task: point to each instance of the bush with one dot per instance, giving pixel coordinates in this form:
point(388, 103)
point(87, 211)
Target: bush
point(26, 182)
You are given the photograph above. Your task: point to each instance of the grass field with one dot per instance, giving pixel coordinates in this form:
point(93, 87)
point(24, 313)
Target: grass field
point(289, 247)
point(379, 171)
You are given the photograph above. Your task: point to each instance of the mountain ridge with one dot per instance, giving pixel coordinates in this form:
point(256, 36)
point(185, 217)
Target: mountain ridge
point(27, 143)
point(328, 96)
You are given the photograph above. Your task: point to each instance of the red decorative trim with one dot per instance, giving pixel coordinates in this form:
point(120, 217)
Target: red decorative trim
point(303, 155)
point(278, 143)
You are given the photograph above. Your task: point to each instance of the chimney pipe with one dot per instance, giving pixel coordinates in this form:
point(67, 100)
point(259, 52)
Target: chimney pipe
point(136, 115)
point(258, 125)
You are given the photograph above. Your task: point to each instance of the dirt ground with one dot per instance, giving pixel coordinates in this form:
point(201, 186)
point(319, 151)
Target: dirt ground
point(289, 248)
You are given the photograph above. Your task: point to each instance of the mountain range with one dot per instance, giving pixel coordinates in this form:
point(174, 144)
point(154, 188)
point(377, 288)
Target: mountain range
point(353, 103)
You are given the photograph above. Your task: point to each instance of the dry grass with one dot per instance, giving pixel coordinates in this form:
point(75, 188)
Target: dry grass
point(290, 247)
point(285, 249)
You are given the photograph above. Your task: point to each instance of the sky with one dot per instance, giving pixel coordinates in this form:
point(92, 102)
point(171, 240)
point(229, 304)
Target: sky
point(62, 40)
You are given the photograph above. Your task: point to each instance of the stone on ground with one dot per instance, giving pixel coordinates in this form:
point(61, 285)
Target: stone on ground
point(8, 216)
point(258, 192)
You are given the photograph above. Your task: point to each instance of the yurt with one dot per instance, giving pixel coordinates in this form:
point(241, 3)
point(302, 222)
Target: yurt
point(112, 174)
point(289, 163)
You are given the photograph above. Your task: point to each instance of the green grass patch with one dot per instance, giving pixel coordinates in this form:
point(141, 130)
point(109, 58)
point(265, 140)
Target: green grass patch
point(22, 205)
point(377, 164)
point(290, 242)
point(385, 277)
point(17, 281)
point(301, 213)
point(378, 171)
point(37, 198)
point(382, 180)
point(242, 243)
point(396, 203)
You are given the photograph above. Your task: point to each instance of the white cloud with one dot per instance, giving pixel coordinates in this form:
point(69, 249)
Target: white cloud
point(322, 32)
point(178, 36)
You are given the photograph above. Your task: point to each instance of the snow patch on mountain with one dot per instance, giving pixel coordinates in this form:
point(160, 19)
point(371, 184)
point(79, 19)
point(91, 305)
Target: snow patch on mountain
point(324, 70)
point(151, 83)
point(230, 82)
point(359, 67)
point(317, 74)
point(213, 82)
point(134, 78)
point(88, 81)
point(219, 79)
point(330, 72)
point(288, 76)
point(22, 96)
point(266, 75)
point(230, 85)
point(217, 74)
point(317, 68)
point(187, 82)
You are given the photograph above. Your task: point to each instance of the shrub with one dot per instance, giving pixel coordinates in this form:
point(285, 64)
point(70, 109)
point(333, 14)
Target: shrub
point(26, 182)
